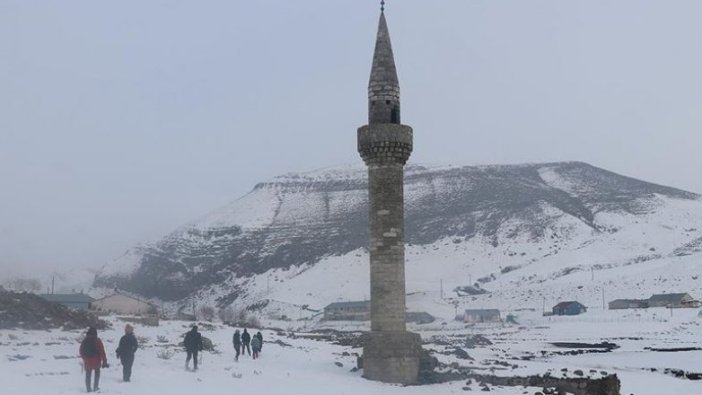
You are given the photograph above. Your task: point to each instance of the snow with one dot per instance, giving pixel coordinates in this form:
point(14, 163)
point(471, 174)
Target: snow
point(255, 210)
point(308, 366)
point(618, 255)
point(124, 265)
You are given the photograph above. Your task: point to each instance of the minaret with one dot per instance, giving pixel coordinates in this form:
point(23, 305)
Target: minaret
point(390, 353)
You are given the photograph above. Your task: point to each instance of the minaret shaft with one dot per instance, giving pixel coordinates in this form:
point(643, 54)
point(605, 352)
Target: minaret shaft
point(387, 252)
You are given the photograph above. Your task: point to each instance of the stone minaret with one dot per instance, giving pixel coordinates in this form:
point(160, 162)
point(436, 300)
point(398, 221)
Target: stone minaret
point(390, 354)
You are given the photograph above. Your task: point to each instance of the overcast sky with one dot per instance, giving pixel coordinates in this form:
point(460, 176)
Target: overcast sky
point(121, 120)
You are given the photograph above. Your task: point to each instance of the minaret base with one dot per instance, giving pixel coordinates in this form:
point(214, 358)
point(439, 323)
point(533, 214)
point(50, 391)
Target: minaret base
point(392, 357)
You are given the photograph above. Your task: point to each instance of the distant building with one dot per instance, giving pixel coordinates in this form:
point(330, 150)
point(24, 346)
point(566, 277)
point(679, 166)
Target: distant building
point(420, 317)
point(473, 316)
point(124, 304)
point(348, 311)
point(360, 311)
point(75, 301)
point(620, 304)
point(569, 308)
point(679, 300)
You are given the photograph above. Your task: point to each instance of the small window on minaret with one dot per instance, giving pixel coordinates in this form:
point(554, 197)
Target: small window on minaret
point(395, 115)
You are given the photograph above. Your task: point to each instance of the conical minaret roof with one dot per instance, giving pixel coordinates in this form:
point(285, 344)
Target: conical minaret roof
point(383, 70)
point(383, 87)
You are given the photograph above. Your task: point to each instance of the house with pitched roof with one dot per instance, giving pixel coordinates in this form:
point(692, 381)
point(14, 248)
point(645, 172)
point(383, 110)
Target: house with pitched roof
point(348, 311)
point(121, 303)
point(475, 316)
point(676, 300)
point(75, 301)
point(621, 304)
point(569, 308)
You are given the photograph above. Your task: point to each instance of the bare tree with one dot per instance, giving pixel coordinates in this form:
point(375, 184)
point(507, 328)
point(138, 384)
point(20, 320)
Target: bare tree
point(206, 313)
point(25, 285)
point(227, 314)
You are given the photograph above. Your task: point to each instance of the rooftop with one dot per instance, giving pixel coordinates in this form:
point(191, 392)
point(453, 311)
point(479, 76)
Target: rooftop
point(355, 305)
point(482, 312)
point(668, 297)
point(68, 298)
point(566, 304)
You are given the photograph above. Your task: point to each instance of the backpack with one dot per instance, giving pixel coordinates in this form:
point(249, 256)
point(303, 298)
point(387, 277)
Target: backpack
point(89, 347)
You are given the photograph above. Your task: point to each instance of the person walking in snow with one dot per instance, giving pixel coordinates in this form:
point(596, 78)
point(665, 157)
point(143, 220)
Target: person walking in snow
point(255, 346)
point(193, 345)
point(237, 343)
point(125, 352)
point(93, 353)
point(245, 342)
point(260, 339)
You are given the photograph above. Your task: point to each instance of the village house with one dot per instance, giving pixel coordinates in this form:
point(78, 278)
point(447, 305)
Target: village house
point(474, 316)
point(75, 301)
point(420, 317)
point(620, 304)
point(348, 311)
point(679, 300)
point(119, 303)
point(569, 308)
point(360, 311)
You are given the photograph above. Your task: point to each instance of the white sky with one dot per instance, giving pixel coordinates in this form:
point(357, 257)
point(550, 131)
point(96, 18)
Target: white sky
point(121, 120)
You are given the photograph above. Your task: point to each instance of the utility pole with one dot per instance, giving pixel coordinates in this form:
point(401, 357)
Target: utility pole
point(53, 279)
point(592, 272)
point(603, 299)
point(441, 282)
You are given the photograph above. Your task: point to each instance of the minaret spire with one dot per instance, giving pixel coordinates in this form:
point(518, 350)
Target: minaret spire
point(382, 5)
point(383, 87)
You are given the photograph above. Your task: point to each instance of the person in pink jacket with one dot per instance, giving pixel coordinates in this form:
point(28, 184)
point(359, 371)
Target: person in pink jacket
point(93, 353)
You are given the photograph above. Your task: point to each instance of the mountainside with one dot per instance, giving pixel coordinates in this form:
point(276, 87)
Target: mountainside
point(507, 217)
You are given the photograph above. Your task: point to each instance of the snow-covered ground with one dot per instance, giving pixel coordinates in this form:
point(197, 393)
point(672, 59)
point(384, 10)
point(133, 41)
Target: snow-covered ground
point(37, 362)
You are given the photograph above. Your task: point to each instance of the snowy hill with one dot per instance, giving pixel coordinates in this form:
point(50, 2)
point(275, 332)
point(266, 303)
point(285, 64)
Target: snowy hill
point(520, 232)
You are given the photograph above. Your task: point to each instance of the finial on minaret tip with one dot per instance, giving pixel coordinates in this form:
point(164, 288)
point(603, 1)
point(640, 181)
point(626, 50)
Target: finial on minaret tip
point(382, 5)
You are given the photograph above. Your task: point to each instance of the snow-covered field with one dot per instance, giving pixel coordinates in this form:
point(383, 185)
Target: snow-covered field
point(37, 362)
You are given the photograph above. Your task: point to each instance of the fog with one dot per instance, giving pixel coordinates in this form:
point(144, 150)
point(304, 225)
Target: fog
point(122, 120)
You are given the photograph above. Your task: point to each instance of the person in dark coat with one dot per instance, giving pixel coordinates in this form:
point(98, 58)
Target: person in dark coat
point(193, 345)
point(260, 340)
point(245, 342)
point(93, 353)
point(255, 346)
point(125, 352)
point(237, 343)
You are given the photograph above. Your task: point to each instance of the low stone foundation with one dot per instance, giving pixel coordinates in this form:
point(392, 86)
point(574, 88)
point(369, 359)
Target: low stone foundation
point(392, 357)
point(608, 385)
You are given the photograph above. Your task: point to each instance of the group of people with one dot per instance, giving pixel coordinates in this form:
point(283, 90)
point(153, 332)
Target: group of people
point(243, 341)
point(92, 351)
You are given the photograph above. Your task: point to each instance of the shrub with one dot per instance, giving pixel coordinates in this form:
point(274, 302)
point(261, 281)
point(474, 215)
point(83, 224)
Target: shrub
point(206, 313)
point(227, 314)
